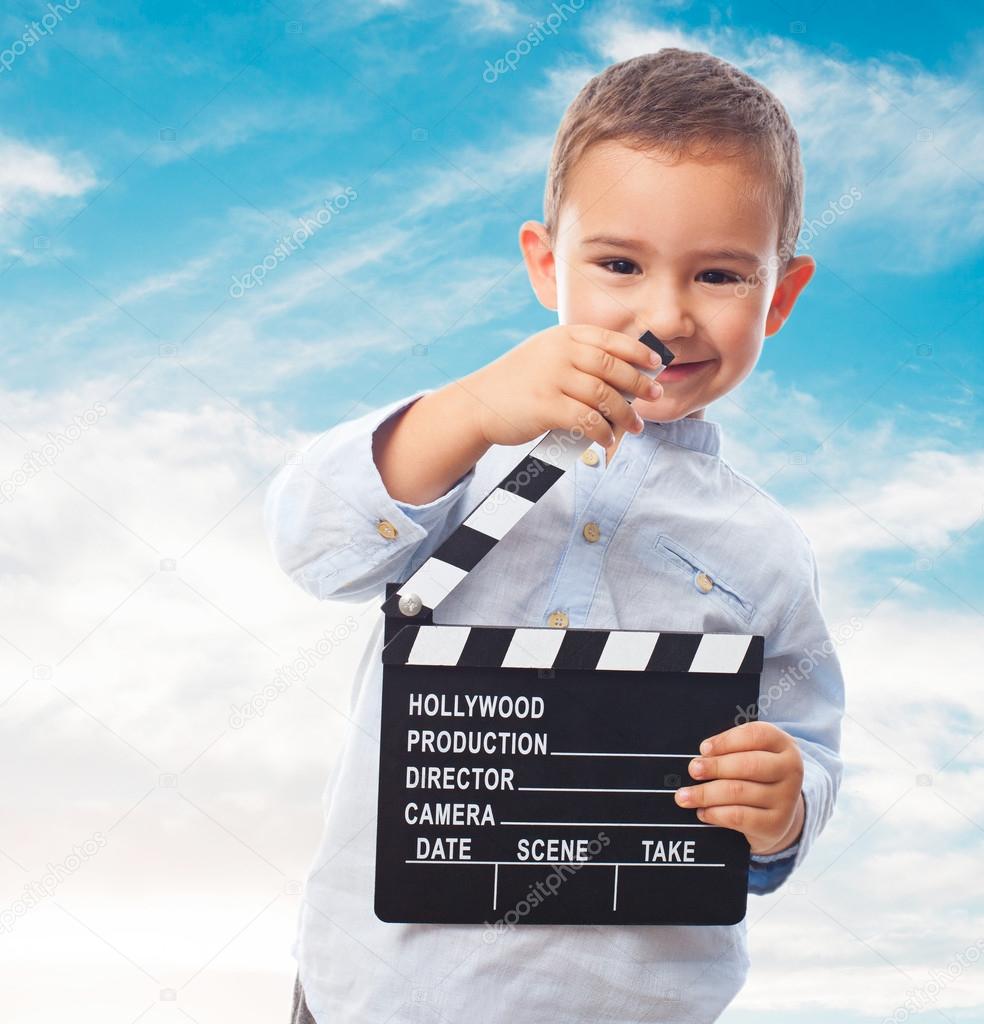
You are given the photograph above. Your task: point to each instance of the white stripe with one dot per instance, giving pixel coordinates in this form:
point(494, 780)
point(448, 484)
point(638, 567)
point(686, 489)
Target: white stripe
point(533, 648)
point(720, 652)
point(433, 581)
point(499, 513)
point(561, 449)
point(630, 650)
point(438, 645)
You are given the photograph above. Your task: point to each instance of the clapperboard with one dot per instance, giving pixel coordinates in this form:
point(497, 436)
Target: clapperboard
point(532, 770)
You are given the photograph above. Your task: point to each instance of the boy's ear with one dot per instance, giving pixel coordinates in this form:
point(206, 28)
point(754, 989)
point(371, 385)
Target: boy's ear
point(794, 279)
point(534, 243)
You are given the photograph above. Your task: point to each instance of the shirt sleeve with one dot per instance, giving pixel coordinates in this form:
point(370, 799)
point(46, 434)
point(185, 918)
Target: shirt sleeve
point(802, 692)
point(332, 525)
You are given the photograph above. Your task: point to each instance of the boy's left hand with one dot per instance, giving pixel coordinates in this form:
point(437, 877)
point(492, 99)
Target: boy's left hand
point(756, 785)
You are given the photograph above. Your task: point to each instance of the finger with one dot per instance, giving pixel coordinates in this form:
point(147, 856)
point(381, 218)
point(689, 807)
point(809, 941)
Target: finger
point(607, 366)
point(755, 765)
point(594, 425)
point(748, 736)
point(750, 820)
point(594, 392)
point(725, 792)
point(631, 349)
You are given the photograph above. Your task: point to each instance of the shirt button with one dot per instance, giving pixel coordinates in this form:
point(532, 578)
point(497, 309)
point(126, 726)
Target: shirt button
point(589, 457)
point(591, 532)
point(557, 620)
point(386, 529)
point(704, 582)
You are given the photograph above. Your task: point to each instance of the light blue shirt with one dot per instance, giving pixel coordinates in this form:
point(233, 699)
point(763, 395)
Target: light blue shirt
point(671, 514)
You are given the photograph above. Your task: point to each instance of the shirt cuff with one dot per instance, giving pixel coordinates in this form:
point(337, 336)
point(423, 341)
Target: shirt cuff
point(413, 522)
point(333, 526)
point(430, 513)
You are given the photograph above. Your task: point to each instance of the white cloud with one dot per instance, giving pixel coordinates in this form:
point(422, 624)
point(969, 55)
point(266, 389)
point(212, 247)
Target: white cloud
point(931, 501)
point(29, 174)
point(473, 173)
point(492, 15)
point(32, 180)
point(247, 115)
point(143, 667)
point(153, 285)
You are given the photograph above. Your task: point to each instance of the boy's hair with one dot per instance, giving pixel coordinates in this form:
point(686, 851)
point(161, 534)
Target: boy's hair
point(685, 104)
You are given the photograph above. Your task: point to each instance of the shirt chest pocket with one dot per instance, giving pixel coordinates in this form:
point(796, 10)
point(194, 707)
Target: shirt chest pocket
point(706, 582)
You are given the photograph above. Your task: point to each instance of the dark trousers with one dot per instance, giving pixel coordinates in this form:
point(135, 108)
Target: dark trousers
point(301, 1014)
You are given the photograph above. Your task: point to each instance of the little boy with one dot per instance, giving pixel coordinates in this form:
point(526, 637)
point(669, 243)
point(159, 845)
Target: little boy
point(673, 205)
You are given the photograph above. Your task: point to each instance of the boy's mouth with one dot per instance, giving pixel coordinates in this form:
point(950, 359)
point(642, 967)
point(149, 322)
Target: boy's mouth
point(681, 371)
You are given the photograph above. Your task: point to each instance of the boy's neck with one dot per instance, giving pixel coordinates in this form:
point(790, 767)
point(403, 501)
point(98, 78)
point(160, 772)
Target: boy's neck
point(697, 414)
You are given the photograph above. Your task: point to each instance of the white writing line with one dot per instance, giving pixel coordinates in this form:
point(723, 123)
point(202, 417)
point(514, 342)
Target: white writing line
point(579, 789)
point(575, 863)
point(495, 886)
point(615, 893)
point(595, 753)
point(609, 824)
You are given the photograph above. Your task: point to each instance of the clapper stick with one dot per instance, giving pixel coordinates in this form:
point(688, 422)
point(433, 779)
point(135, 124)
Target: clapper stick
point(501, 509)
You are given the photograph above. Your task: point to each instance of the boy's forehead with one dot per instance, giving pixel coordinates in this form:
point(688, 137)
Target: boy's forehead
point(616, 191)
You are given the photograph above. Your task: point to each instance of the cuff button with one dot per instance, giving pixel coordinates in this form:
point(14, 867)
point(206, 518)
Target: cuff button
point(386, 529)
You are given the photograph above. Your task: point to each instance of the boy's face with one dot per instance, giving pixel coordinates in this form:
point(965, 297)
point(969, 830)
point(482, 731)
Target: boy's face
point(639, 246)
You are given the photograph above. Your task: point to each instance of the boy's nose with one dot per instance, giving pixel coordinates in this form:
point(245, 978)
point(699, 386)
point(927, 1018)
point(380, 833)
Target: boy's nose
point(667, 316)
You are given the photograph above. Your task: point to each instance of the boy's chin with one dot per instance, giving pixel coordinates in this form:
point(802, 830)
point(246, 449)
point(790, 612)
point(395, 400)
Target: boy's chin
point(666, 408)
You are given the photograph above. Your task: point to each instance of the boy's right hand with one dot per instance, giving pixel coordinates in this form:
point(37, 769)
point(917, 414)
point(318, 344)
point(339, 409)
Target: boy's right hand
point(566, 376)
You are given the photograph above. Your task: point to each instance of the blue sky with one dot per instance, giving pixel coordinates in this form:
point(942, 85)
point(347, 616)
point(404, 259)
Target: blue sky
point(151, 154)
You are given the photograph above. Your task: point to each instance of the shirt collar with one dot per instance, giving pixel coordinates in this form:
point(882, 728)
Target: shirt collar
point(698, 435)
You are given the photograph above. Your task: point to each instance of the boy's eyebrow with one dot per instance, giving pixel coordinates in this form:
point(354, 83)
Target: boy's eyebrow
point(741, 255)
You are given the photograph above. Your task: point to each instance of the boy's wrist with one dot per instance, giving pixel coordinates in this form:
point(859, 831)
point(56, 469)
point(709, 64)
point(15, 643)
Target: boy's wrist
point(792, 834)
point(464, 403)
point(429, 446)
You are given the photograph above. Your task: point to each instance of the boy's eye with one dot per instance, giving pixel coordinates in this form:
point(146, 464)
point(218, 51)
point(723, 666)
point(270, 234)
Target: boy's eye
point(618, 266)
point(718, 274)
